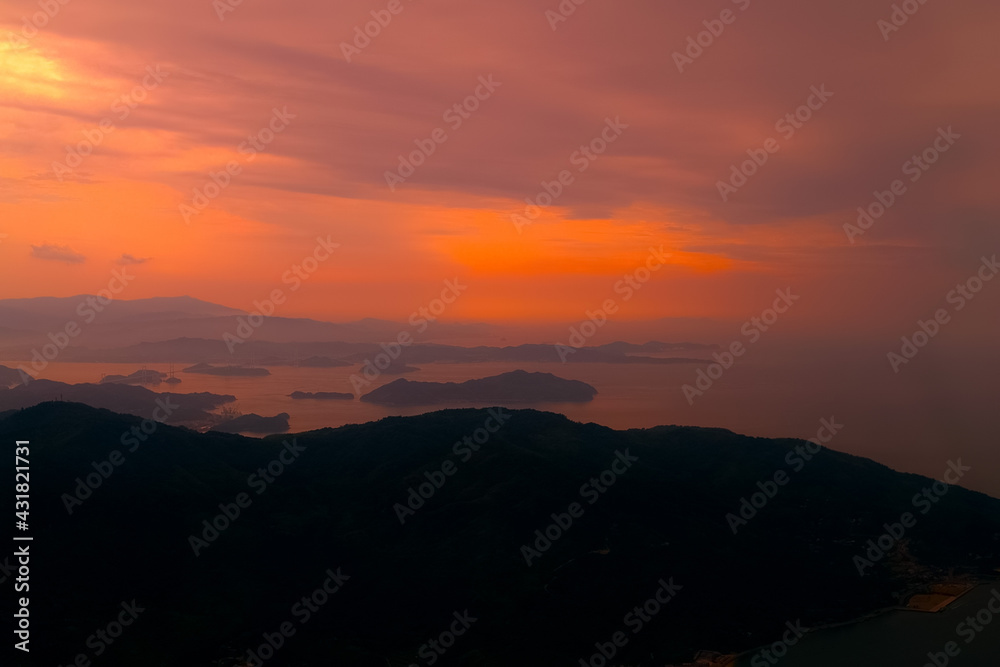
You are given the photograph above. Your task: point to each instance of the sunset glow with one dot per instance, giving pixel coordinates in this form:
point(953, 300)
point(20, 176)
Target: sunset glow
point(182, 96)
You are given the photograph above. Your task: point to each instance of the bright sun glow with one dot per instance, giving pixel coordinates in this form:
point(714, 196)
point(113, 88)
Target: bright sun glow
point(25, 71)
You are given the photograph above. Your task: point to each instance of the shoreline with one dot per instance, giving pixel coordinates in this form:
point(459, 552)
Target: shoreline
point(727, 660)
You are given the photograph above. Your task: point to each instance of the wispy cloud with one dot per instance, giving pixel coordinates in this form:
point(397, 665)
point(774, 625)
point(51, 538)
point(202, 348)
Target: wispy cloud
point(127, 259)
point(57, 253)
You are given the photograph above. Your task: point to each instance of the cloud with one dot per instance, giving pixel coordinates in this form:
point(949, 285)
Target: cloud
point(57, 253)
point(127, 259)
point(687, 130)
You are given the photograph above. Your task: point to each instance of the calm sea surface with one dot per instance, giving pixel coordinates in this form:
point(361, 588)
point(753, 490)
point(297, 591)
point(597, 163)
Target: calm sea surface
point(941, 409)
point(903, 639)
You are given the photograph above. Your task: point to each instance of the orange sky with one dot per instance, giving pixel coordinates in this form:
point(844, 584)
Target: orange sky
point(656, 185)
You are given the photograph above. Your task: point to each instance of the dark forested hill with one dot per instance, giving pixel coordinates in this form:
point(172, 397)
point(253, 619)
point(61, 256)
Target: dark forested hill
point(411, 523)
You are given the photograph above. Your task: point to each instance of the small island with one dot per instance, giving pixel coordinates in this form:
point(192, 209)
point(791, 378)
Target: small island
point(321, 396)
point(230, 371)
point(513, 387)
point(322, 362)
point(139, 377)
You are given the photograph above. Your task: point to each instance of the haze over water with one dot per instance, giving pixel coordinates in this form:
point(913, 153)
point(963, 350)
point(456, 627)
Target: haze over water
point(915, 421)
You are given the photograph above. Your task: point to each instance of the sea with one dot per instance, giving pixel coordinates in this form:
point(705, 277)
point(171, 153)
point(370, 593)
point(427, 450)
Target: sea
point(939, 409)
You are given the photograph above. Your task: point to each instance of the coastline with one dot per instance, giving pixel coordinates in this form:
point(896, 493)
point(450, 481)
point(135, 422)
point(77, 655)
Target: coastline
point(716, 659)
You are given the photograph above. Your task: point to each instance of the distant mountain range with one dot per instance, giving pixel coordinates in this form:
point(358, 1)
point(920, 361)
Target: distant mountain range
point(26, 323)
point(267, 353)
point(9, 377)
point(545, 536)
point(226, 371)
point(188, 330)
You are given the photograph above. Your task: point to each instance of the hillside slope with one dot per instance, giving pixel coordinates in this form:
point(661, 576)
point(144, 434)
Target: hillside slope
point(336, 506)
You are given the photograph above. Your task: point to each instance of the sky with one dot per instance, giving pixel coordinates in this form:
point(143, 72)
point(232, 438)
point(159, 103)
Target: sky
point(156, 97)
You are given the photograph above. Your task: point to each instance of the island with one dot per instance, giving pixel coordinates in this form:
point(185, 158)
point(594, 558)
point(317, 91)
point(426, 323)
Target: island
point(192, 410)
point(322, 362)
point(513, 387)
point(230, 371)
point(143, 376)
point(321, 396)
